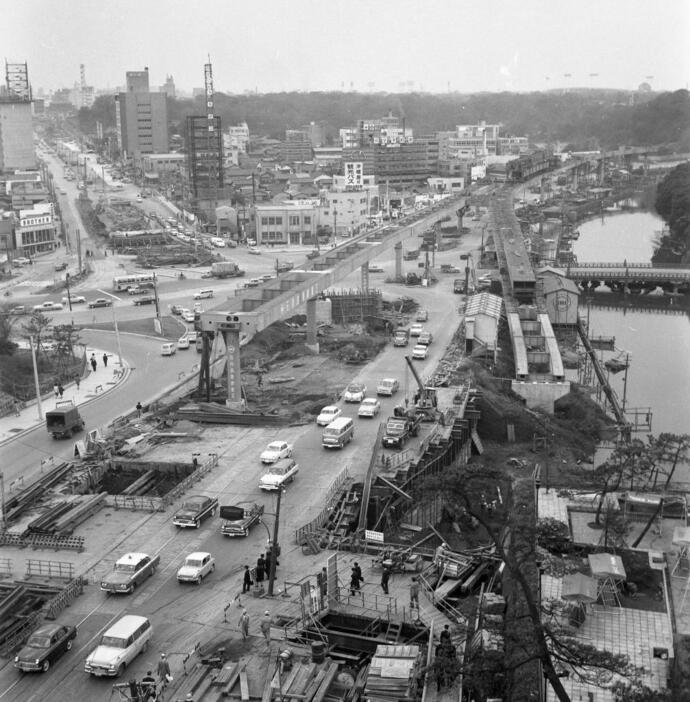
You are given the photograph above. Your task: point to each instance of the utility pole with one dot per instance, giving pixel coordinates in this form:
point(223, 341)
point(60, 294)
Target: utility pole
point(81, 270)
point(335, 225)
point(155, 293)
point(274, 548)
point(2, 501)
point(38, 387)
point(117, 338)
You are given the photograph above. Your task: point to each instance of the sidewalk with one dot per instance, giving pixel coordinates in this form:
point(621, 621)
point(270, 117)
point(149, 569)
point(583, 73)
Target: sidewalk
point(91, 386)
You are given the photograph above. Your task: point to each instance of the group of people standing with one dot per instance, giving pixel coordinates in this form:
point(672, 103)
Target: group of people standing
point(262, 570)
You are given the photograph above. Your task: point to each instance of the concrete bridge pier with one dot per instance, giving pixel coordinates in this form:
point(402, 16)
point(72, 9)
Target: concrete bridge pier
point(312, 339)
point(232, 352)
point(398, 260)
point(365, 277)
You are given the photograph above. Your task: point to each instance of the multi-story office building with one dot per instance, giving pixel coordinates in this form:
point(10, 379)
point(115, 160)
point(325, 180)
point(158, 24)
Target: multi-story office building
point(35, 230)
point(205, 157)
point(16, 129)
point(141, 117)
point(292, 222)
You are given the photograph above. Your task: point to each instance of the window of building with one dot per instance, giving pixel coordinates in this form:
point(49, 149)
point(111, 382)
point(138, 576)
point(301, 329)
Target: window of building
point(264, 221)
point(293, 220)
point(307, 219)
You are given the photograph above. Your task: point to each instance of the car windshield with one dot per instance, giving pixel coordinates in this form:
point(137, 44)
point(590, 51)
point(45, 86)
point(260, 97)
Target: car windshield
point(355, 387)
point(39, 641)
point(329, 410)
point(194, 562)
point(395, 428)
point(279, 470)
point(370, 403)
point(126, 567)
point(192, 504)
point(387, 383)
point(275, 446)
point(113, 642)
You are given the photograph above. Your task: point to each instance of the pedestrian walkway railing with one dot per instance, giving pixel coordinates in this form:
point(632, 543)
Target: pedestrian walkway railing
point(202, 470)
point(136, 503)
point(322, 517)
point(49, 569)
point(5, 567)
point(54, 606)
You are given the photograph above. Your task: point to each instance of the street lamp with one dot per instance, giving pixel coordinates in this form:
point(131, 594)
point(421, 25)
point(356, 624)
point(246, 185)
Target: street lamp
point(275, 548)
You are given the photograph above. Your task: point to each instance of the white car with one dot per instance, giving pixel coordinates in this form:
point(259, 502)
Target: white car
point(416, 329)
point(253, 250)
point(387, 386)
point(196, 567)
point(425, 338)
point(375, 268)
point(370, 407)
point(419, 352)
point(203, 294)
point(47, 306)
point(191, 335)
point(279, 474)
point(183, 342)
point(187, 315)
point(328, 414)
point(275, 451)
point(76, 300)
point(355, 392)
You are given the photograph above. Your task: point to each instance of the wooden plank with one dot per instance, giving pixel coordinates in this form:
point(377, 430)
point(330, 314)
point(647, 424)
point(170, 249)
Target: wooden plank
point(266, 696)
point(326, 682)
point(232, 680)
point(244, 685)
point(306, 673)
point(226, 674)
point(313, 686)
point(286, 682)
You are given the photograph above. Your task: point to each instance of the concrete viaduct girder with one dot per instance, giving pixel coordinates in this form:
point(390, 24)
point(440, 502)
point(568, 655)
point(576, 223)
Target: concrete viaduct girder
point(254, 309)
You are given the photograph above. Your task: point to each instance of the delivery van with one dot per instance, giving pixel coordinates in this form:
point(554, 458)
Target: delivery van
point(338, 433)
point(119, 646)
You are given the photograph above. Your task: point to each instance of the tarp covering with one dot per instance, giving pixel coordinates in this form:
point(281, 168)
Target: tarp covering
point(606, 565)
point(578, 587)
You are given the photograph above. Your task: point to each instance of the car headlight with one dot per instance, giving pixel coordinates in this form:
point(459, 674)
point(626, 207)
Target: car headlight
point(123, 586)
point(104, 584)
point(16, 659)
point(37, 661)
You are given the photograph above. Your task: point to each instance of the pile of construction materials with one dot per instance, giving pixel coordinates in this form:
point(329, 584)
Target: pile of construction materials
point(394, 674)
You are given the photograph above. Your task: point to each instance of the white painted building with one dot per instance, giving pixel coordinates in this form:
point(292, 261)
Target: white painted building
point(289, 223)
point(36, 230)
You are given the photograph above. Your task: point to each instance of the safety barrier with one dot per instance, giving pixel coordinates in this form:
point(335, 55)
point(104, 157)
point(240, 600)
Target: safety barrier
point(318, 521)
point(136, 503)
point(52, 609)
point(12, 641)
point(49, 569)
point(5, 567)
point(192, 478)
point(42, 541)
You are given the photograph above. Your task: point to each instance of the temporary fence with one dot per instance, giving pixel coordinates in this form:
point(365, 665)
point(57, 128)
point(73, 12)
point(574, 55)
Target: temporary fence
point(322, 517)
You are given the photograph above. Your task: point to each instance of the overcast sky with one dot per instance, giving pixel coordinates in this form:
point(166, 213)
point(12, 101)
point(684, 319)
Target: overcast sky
point(392, 45)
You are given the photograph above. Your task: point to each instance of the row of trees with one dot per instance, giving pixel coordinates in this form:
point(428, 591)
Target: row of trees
point(673, 205)
point(584, 120)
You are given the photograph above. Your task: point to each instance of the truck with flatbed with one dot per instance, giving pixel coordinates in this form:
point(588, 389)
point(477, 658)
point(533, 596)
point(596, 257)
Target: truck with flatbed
point(401, 337)
point(226, 269)
point(238, 520)
point(399, 429)
point(63, 421)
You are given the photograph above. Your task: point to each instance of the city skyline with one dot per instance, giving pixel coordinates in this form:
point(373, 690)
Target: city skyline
point(392, 46)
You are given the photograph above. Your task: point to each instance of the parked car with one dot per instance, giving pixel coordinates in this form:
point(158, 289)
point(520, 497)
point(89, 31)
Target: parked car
point(62, 266)
point(254, 250)
point(355, 392)
point(328, 414)
point(279, 474)
point(100, 302)
point(370, 407)
point(76, 300)
point(387, 387)
point(21, 261)
point(194, 510)
point(44, 647)
point(47, 306)
point(416, 329)
point(275, 451)
point(128, 572)
point(196, 567)
point(18, 309)
point(375, 268)
point(419, 352)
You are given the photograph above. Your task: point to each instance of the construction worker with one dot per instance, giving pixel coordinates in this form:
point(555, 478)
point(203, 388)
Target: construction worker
point(414, 594)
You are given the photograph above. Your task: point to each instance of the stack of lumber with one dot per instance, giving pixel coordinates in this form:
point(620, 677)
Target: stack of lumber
point(393, 674)
point(305, 682)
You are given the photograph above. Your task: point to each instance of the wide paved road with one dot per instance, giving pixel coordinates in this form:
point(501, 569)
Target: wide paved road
point(150, 373)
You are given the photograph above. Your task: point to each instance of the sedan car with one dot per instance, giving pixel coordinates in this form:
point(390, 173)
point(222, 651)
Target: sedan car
point(183, 342)
point(100, 302)
point(44, 647)
point(422, 316)
point(187, 315)
point(419, 352)
point(47, 306)
point(275, 451)
point(328, 414)
point(387, 387)
point(194, 510)
point(253, 250)
point(196, 567)
point(416, 329)
point(370, 407)
point(176, 309)
point(62, 266)
point(76, 300)
point(355, 392)
point(425, 338)
point(375, 268)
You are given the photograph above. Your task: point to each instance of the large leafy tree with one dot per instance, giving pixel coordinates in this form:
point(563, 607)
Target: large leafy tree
point(7, 323)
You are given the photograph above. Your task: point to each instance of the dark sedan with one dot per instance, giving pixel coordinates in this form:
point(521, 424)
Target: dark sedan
point(100, 302)
point(194, 510)
point(44, 647)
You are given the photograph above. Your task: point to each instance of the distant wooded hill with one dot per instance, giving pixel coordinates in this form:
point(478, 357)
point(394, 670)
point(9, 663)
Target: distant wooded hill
point(582, 119)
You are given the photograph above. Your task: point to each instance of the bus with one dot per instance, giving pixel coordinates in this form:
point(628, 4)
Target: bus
point(122, 282)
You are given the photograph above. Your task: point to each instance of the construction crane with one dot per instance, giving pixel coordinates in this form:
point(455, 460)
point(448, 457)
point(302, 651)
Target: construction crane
point(425, 400)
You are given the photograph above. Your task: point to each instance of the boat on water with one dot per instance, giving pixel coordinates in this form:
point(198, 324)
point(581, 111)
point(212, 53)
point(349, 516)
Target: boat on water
point(618, 363)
